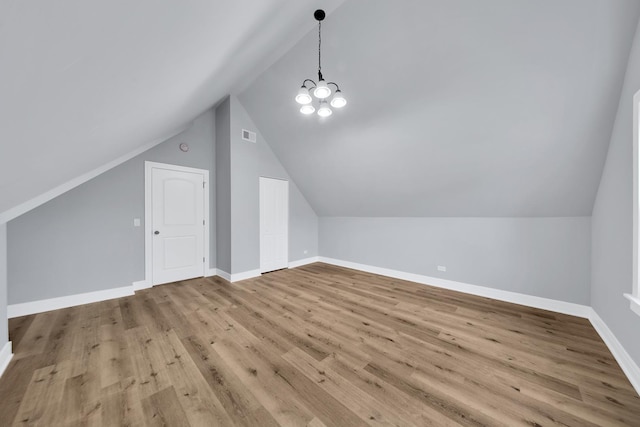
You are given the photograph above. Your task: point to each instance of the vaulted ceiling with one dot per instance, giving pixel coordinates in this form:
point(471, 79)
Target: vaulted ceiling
point(85, 82)
point(456, 107)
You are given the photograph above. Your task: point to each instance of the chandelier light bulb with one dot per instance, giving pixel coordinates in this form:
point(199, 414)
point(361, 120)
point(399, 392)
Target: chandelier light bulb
point(303, 96)
point(324, 110)
point(338, 100)
point(307, 109)
point(322, 91)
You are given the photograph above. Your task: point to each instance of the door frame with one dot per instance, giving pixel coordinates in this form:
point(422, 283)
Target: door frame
point(260, 218)
point(148, 230)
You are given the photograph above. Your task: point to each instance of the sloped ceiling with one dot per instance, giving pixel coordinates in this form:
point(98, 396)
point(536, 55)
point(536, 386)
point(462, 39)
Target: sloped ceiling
point(85, 82)
point(456, 107)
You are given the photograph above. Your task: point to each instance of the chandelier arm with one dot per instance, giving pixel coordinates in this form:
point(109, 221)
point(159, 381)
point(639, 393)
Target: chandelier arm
point(304, 83)
point(335, 84)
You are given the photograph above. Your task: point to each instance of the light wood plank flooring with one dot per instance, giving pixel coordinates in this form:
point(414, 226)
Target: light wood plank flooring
point(313, 346)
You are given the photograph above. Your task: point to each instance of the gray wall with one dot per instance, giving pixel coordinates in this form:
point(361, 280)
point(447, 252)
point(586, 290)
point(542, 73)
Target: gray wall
point(84, 240)
point(545, 257)
point(4, 324)
point(249, 162)
point(223, 185)
point(612, 222)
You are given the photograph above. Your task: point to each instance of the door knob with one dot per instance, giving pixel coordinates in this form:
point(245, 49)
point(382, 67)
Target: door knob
point(156, 232)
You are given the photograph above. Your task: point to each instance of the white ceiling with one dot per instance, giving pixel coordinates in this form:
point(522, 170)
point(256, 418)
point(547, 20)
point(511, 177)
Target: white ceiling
point(85, 82)
point(456, 107)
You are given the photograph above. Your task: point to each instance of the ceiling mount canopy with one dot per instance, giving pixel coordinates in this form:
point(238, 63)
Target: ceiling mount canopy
point(322, 89)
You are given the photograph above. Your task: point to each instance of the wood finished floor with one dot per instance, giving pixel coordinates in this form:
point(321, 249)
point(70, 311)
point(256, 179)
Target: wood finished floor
point(317, 345)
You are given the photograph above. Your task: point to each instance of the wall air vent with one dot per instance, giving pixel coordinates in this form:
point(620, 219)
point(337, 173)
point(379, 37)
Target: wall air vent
point(247, 135)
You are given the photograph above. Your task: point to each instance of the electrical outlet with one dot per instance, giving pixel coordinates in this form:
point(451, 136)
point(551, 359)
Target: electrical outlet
point(442, 268)
point(136, 222)
point(306, 251)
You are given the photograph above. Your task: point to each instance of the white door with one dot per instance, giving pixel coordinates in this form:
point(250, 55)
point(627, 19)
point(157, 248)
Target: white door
point(177, 206)
point(274, 224)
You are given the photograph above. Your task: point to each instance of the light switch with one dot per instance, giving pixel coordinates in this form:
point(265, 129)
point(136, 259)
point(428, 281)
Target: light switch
point(136, 222)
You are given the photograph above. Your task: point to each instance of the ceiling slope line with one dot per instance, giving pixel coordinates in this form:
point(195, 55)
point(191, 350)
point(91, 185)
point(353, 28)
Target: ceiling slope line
point(51, 194)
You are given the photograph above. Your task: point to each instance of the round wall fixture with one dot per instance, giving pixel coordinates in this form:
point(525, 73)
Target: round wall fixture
point(184, 147)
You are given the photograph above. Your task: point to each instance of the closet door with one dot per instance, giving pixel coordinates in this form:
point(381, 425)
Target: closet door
point(274, 224)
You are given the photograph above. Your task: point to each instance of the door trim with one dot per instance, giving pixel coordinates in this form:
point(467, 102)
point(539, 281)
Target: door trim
point(148, 241)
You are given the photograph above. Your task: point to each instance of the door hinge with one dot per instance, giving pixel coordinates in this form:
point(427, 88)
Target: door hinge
point(203, 222)
point(203, 184)
point(202, 259)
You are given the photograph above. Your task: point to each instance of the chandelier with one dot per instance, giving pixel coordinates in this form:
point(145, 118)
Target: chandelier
point(320, 90)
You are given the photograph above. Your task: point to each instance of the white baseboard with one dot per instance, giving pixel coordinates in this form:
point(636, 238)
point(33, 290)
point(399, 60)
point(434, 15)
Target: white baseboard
point(305, 261)
point(634, 303)
point(140, 285)
point(625, 361)
point(238, 276)
point(144, 284)
point(226, 276)
point(498, 294)
point(256, 273)
point(245, 275)
point(5, 357)
point(23, 309)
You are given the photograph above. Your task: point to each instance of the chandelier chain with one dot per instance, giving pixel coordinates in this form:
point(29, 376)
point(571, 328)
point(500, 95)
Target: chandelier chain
point(319, 49)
